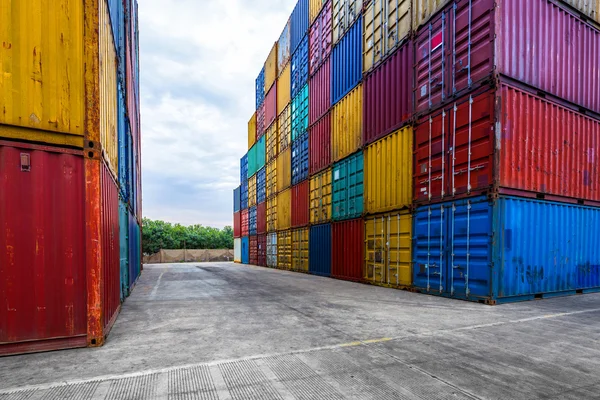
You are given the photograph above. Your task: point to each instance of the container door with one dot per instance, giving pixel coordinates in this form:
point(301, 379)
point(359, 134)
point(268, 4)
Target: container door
point(124, 246)
point(429, 244)
point(399, 233)
point(376, 253)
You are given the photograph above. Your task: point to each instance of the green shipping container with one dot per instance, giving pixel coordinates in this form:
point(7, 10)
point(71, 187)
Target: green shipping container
point(256, 156)
point(348, 187)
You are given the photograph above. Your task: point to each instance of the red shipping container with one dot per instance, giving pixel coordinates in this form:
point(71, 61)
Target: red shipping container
point(260, 121)
point(42, 262)
point(262, 250)
point(347, 249)
point(320, 145)
point(261, 218)
point(245, 225)
point(479, 41)
point(321, 38)
point(253, 250)
point(237, 224)
point(300, 202)
point(511, 141)
point(388, 95)
point(270, 107)
point(319, 87)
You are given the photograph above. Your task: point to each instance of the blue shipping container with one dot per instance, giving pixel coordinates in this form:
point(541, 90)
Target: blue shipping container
point(237, 199)
point(346, 71)
point(125, 151)
point(320, 250)
point(261, 185)
point(300, 113)
point(135, 251)
point(124, 248)
point(260, 88)
point(133, 190)
point(506, 249)
point(244, 196)
point(348, 188)
point(252, 222)
point(300, 159)
point(244, 169)
point(300, 67)
point(246, 250)
point(299, 24)
point(117, 21)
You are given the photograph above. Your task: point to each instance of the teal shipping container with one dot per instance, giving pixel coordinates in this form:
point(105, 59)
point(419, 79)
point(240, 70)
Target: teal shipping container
point(124, 248)
point(348, 187)
point(135, 251)
point(300, 113)
point(257, 156)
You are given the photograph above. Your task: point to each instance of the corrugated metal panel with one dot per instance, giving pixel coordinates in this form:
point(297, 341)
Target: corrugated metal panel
point(320, 250)
point(424, 9)
point(300, 113)
point(346, 70)
point(261, 243)
point(117, 19)
point(245, 250)
point(284, 212)
point(285, 128)
point(245, 226)
point(108, 92)
point(124, 247)
point(388, 95)
point(237, 250)
point(257, 156)
point(314, 9)
point(271, 68)
point(299, 24)
point(284, 250)
point(272, 250)
point(244, 196)
point(320, 197)
point(300, 67)
point(300, 249)
point(388, 172)
point(260, 88)
point(271, 106)
point(347, 188)
point(252, 131)
point(284, 87)
point(244, 169)
point(272, 214)
point(272, 141)
point(252, 191)
point(283, 48)
point(111, 251)
point(345, 13)
point(300, 200)
point(261, 218)
point(271, 178)
point(320, 145)
point(347, 240)
point(42, 90)
point(237, 197)
point(496, 256)
point(387, 24)
point(590, 8)
point(253, 250)
point(135, 250)
point(252, 222)
point(261, 185)
point(125, 139)
point(320, 93)
point(132, 75)
point(346, 128)
point(237, 224)
point(300, 159)
point(320, 38)
point(261, 120)
point(42, 237)
point(284, 170)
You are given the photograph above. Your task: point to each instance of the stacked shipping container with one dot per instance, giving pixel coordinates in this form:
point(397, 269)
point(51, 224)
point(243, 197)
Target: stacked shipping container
point(417, 133)
point(70, 164)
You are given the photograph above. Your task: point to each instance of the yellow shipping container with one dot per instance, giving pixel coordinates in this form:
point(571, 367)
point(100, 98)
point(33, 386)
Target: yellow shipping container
point(388, 249)
point(284, 250)
point(320, 197)
point(284, 89)
point(300, 250)
point(284, 210)
point(284, 170)
point(315, 7)
point(345, 13)
point(285, 128)
point(424, 9)
point(252, 191)
point(271, 68)
point(272, 141)
point(272, 214)
point(346, 132)
point(42, 82)
point(389, 172)
point(271, 178)
point(108, 91)
point(252, 131)
point(386, 24)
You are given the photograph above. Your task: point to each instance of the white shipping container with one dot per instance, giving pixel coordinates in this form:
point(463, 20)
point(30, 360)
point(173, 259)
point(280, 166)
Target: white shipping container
point(272, 250)
point(237, 250)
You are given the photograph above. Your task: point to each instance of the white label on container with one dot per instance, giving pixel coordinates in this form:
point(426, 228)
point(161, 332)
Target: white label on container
point(423, 90)
point(336, 175)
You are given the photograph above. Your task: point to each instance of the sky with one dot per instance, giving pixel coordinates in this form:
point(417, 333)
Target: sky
point(198, 63)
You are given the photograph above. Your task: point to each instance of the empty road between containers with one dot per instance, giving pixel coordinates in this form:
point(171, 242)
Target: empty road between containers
point(227, 331)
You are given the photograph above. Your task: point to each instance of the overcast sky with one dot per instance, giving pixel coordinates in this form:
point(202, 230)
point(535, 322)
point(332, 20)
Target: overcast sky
point(199, 60)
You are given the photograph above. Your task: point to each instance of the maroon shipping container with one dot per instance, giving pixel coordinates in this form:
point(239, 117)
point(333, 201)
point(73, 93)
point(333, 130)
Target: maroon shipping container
point(253, 250)
point(43, 289)
point(535, 42)
point(347, 249)
point(321, 38)
point(245, 225)
point(300, 201)
point(388, 95)
point(237, 224)
point(507, 140)
point(260, 121)
point(320, 145)
point(111, 250)
point(319, 101)
point(270, 107)
point(262, 250)
point(261, 218)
